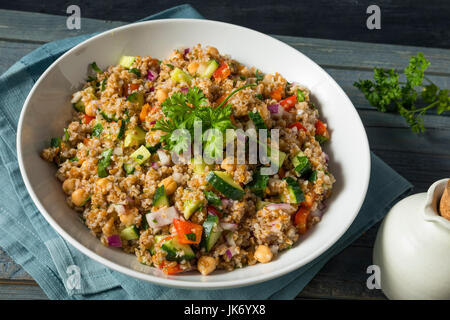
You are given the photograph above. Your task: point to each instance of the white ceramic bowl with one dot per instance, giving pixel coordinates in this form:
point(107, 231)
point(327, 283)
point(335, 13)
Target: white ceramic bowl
point(47, 110)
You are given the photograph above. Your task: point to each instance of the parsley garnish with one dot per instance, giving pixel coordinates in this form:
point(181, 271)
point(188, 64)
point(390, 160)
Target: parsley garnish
point(135, 71)
point(387, 93)
point(97, 130)
point(259, 76)
point(182, 110)
point(191, 236)
point(96, 68)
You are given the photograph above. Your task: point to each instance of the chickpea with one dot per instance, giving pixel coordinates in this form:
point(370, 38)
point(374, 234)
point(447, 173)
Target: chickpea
point(263, 254)
point(192, 67)
point(161, 95)
point(169, 185)
point(90, 110)
point(79, 196)
point(69, 185)
point(102, 182)
point(206, 265)
point(213, 51)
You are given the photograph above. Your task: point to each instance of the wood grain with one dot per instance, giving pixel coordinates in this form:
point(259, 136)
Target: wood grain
point(422, 159)
point(418, 22)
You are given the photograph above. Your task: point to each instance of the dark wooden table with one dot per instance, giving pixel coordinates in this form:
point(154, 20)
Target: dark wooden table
point(422, 159)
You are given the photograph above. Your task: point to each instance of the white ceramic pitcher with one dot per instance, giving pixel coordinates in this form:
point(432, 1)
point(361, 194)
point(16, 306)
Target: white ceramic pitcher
point(412, 248)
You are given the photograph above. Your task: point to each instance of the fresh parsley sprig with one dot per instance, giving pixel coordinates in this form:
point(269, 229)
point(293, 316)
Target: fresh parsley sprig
point(182, 110)
point(387, 93)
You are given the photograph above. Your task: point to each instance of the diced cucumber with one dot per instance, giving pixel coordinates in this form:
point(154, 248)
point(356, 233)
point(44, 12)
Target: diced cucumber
point(257, 120)
point(178, 75)
point(177, 251)
point(212, 198)
point(126, 61)
point(141, 155)
point(129, 168)
point(206, 70)
point(302, 165)
point(258, 184)
point(130, 233)
point(321, 139)
point(79, 106)
point(137, 97)
point(160, 198)
point(199, 167)
point(157, 239)
point(189, 207)
point(261, 204)
point(108, 117)
point(134, 137)
point(225, 184)
point(277, 157)
point(211, 232)
point(295, 193)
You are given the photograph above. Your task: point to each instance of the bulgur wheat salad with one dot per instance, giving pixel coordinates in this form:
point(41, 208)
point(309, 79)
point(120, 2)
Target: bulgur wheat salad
point(115, 161)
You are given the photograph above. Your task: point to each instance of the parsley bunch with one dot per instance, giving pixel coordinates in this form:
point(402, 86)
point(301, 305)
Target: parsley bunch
point(182, 110)
point(387, 93)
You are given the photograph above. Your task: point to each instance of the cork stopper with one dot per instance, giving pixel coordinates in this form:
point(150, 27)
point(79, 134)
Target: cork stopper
point(444, 206)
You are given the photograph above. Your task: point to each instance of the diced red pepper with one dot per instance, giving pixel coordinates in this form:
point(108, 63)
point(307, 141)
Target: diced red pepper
point(168, 269)
point(289, 102)
point(298, 125)
point(87, 119)
point(188, 232)
point(277, 94)
point(301, 219)
point(130, 88)
point(321, 129)
point(222, 72)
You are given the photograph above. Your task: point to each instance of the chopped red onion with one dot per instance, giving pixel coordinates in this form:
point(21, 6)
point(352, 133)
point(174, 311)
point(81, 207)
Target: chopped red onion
point(162, 217)
point(186, 51)
point(184, 90)
point(114, 241)
point(152, 89)
point(229, 254)
point(211, 212)
point(152, 75)
point(273, 108)
point(120, 209)
point(229, 226)
point(230, 240)
point(155, 165)
point(327, 158)
point(163, 158)
point(153, 122)
point(283, 206)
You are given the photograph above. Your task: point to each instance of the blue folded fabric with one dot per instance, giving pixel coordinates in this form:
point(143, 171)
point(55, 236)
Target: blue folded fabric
point(31, 242)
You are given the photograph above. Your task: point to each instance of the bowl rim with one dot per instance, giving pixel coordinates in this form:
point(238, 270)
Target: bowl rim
point(171, 281)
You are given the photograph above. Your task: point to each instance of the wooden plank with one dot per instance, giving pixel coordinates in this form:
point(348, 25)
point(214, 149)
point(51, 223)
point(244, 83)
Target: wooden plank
point(10, 270)
point(40, 28)
point(37, 27)
point(343, 20)
point(344, 277)
point(12, 51)
point(21, 291)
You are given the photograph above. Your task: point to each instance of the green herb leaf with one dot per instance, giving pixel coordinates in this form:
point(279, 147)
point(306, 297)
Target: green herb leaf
point(97, 130)
point(191, 236)
point(55, 142)
point(66, 135)
point(96, 68)
point(104, 163)
point(135, 71)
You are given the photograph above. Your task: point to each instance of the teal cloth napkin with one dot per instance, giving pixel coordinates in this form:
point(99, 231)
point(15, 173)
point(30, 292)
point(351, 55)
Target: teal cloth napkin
point(31, 242)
